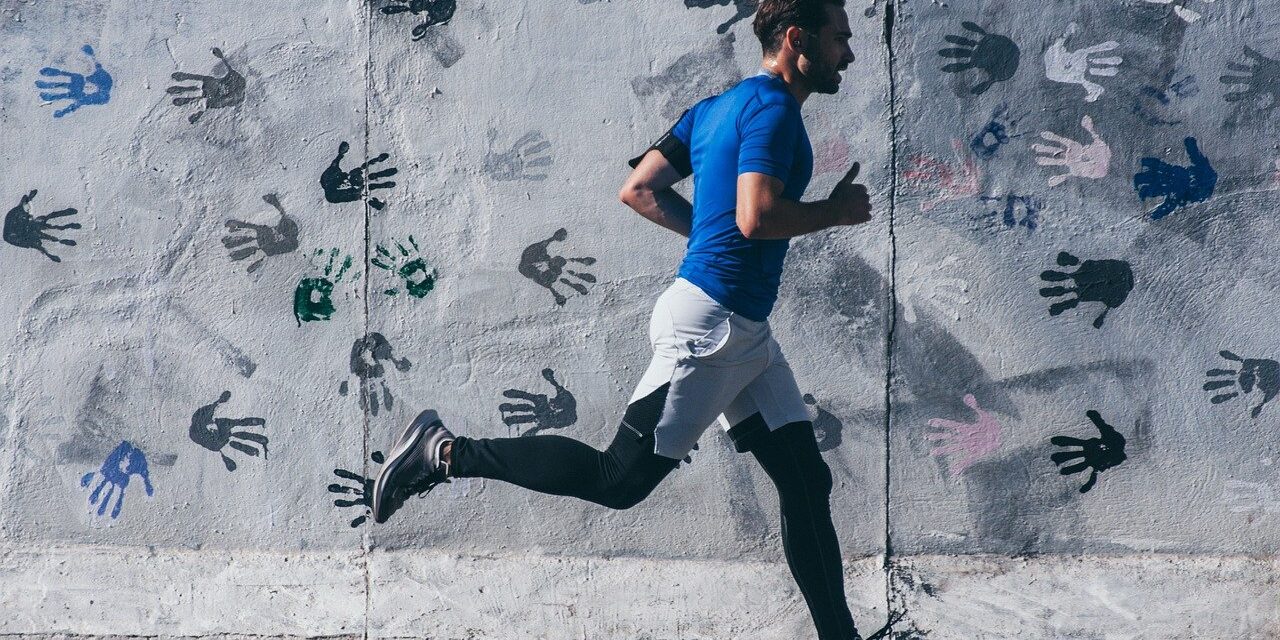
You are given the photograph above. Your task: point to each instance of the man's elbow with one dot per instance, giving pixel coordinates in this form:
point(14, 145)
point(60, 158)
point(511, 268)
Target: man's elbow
point(630, 194)
point(748, 224)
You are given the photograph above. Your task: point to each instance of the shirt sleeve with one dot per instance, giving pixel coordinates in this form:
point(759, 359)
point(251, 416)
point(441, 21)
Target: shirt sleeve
point(673, 145)
point(768, 140)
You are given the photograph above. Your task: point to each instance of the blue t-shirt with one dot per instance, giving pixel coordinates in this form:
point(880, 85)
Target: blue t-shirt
point(753, 126)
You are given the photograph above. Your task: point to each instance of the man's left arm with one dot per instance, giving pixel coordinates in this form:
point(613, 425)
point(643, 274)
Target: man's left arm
point(648, 191)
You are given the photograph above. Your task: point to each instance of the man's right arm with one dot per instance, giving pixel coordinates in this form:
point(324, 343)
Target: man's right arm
point(762, 212)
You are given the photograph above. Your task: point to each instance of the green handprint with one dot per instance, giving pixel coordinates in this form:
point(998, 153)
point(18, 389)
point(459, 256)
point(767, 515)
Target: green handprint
point(419, 279)
point(313, 299)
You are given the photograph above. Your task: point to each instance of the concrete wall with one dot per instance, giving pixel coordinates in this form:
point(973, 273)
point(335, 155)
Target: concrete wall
point(944, 377)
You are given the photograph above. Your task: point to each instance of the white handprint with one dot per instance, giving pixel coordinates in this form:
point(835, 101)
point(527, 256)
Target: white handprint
point(926, 286)
point(1091, 160)
point(1183, 12)
point(1072, 67)
point(1244, 497)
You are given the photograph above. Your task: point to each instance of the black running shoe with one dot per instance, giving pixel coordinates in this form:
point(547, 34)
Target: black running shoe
point(413, 466)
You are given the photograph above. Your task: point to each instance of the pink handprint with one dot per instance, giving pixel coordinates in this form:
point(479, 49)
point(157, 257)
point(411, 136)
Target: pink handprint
point(976, 439)
point(953, 182)
point(830, 155)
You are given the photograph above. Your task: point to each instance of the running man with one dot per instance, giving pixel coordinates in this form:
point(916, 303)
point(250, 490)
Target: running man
point(714, 357)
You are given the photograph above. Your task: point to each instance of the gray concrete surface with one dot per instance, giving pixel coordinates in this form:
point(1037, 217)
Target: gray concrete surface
point(942, 375)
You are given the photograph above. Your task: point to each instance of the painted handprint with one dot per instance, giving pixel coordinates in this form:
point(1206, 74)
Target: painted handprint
point(538, 265)
point(1248, 497)
point(1180, 8)
point(928, 285)
point(976, 440)
point(434, 11)
point(706, 71)
point(995, 134)
point(1074, 67)
point(362, 492)
point(313, 297)
point(1013, 211)
point(827, 428)
point(1091, 160)
point(419, 279)
point(1153, 104)
point(367, 355)
point(1100, 453)
point(1105, 281)
point(545, 413)
point(518, 163)
point(217, 92)
point(995, 55)
point(1252, 373)
point(1259, 81)
point(215, 434)
point(349, 186)
point(124, 461)
point(953, 182)
point(23, 230)
point(259, 241)
point(745, 8)
point(74, 86)
point(1179, 186)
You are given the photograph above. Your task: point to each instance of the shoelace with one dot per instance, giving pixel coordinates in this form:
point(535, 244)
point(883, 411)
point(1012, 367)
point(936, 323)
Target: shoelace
point(883, 632)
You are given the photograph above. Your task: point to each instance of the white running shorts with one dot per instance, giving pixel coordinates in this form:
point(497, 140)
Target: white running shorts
point(721, 366)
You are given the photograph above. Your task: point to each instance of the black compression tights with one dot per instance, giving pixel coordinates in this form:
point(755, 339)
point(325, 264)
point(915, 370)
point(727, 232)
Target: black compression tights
point(628, 470)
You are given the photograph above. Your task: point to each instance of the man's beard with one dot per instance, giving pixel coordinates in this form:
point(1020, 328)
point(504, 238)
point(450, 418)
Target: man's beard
point(820, 76)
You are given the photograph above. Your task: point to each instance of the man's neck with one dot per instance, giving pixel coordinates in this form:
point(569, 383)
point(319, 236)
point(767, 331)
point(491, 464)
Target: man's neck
point(790, 76)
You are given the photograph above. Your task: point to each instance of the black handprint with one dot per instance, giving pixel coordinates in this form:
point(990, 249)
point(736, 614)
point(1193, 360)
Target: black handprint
point(215, 433)
point(554, 413)
point(1261, 81)
point(745, 9)
point(995, 55)
point(246, 239)
point(367, 354)
point(827, 427)
point(22, 230)
point(349, 186)
point(1253, 372)
point(363, 491)
point(541, 267)
point(218, 93)
point(1100, 453)
point(1105, 281)
point(531, 150)
point(1179, 186)
point(437, 12)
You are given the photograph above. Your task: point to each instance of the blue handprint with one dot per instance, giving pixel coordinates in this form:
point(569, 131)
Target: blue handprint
point(75, 85)
point(1179, 186)
point(124, 461)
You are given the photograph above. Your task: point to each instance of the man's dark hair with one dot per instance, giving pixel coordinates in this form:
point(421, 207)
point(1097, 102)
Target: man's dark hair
point(774, 16)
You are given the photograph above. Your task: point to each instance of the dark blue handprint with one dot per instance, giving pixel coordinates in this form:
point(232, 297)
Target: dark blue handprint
point(125, 460)
point(1179, 186)
point(74, 86)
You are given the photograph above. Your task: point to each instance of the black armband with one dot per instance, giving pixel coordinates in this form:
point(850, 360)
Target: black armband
point(673, 150)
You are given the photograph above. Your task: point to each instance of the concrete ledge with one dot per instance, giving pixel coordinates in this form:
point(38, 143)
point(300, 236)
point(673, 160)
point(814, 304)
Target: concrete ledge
point(79, 591)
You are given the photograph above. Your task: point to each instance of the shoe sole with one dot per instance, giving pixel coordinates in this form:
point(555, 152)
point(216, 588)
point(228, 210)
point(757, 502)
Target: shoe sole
point(409, 439)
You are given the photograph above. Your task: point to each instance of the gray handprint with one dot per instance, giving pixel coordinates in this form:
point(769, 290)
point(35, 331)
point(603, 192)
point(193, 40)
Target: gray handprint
point(23, 230)
point(745, 9)
point(217, 92)
point(531, 150)
point(538, 265)
point(995, 55)
point(248, 240)
point(827, 427)
point(1105, 281)
point(1262, 374)
point(545, 413)
point(367, 354)
point(1259, 81)
point(708, 71)
point(216, 433)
